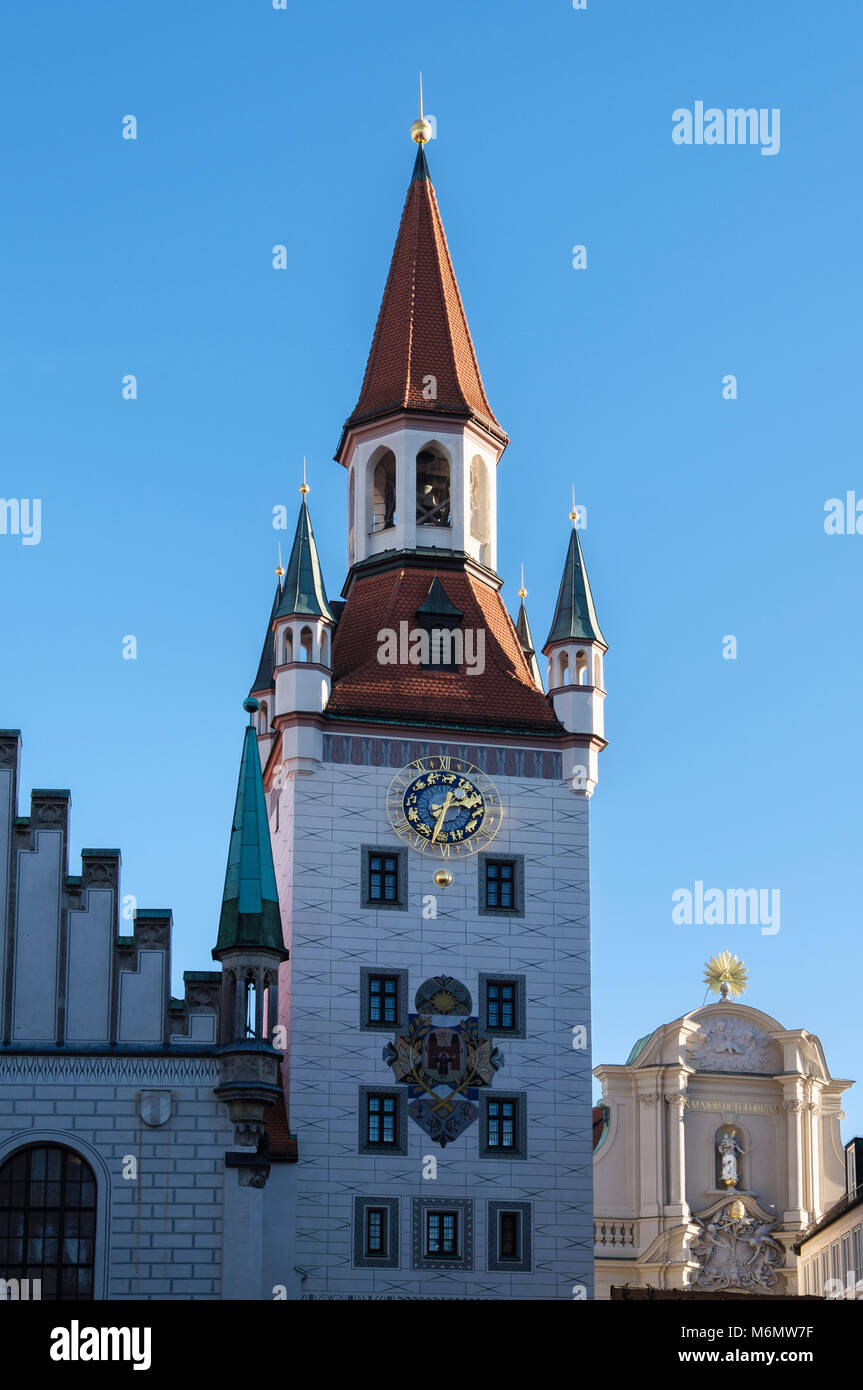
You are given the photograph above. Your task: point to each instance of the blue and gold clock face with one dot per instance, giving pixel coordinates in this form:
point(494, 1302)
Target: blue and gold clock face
point(444, 806)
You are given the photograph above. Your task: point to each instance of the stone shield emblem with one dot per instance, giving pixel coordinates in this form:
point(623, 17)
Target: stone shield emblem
point(154, 1107)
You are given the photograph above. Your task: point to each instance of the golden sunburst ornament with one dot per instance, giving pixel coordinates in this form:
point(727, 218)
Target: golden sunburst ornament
point(725, 974)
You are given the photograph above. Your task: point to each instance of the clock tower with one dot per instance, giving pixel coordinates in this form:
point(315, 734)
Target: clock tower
point(428, 805)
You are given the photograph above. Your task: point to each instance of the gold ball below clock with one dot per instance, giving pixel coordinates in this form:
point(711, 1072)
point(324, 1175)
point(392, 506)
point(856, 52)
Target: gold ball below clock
point(444, 806)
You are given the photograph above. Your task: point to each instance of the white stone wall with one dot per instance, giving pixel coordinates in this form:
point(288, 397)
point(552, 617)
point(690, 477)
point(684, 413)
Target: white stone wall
point(323, 820)
point(159, 1235)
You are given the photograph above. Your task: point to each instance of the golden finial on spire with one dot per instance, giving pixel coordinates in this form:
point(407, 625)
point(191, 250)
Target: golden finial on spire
point(724, 974)
point(573, 516)
point(304, 487)
point(280, 569)
point(522, 593)
point(421, 130)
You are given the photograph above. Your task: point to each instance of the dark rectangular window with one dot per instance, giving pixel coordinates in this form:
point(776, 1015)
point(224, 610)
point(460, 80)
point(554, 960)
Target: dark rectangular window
point(376, 1231)
point(441, 1234)
point(382, 1128)
point(383, 998)
point(510, 1235)
point(502, 1124)
point(500, 885)
point(500, 1005)
point(383, 885)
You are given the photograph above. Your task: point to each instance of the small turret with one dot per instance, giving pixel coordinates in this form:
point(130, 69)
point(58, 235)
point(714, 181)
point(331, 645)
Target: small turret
point(575, 648)
point(250, 947)
point(302, 627)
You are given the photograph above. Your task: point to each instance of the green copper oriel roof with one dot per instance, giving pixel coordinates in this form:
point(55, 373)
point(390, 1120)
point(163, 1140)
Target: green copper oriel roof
point(575, 615)
point(250, 905)
point(303, 589)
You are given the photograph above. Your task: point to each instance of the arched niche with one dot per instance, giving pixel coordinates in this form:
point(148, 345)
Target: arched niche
point(382, 466)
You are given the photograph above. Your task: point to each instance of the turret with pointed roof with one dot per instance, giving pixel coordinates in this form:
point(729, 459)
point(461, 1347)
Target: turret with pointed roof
point(575, 648)
point(250, 947)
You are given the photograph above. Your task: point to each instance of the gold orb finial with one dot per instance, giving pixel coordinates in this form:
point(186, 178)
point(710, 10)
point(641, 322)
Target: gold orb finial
point(421, 130)
point(573, 516)
point(280, 569)
point(443, 878)
point(304, 487)
point(522, 593)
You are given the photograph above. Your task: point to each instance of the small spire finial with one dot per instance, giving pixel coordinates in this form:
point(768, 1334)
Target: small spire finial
point(251, 706)
point(280, 569)
point(522, 593)
point(304, 487)
point(421, 130)
point(573, 516)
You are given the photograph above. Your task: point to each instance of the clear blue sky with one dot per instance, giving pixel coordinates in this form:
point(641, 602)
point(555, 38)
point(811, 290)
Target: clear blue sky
point(705, 516)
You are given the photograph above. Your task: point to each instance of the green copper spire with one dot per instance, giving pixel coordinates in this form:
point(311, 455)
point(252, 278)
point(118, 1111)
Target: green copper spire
point(575, 615)
point(250, 904)
point(303, 589)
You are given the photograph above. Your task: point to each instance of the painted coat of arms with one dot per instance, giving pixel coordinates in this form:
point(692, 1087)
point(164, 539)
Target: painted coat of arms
point(443, 1064)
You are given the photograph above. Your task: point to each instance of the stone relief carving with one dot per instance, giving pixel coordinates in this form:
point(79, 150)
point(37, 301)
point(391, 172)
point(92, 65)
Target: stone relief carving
point(729, 1044)
point(736, 1252)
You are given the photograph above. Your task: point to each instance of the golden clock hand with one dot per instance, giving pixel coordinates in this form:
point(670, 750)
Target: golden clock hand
point(443, 812)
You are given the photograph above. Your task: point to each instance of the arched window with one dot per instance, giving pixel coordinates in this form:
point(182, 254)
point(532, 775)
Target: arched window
point(433, 487)
point(287, 646)
point(251, 1007)
point(325, 648)
point(582, 676)
point(384, 492)
point(263, 719)
point(306, 644)
point(563, 671)
point(48, 1220)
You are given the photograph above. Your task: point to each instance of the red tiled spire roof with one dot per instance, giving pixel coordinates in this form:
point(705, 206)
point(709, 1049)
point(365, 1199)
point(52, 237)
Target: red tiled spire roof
point(503, 695)
point(422, 330)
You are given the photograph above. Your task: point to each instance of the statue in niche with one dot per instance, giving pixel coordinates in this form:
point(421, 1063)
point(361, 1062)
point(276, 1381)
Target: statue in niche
point(729, 1148)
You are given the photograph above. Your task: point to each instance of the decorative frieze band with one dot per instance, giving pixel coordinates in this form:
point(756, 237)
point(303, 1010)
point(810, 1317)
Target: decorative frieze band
point(363, 750)
point(134, 1070)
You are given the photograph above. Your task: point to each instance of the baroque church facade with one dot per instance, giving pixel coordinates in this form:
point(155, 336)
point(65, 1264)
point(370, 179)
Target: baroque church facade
point(717, 1145)
point(383, 1090)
